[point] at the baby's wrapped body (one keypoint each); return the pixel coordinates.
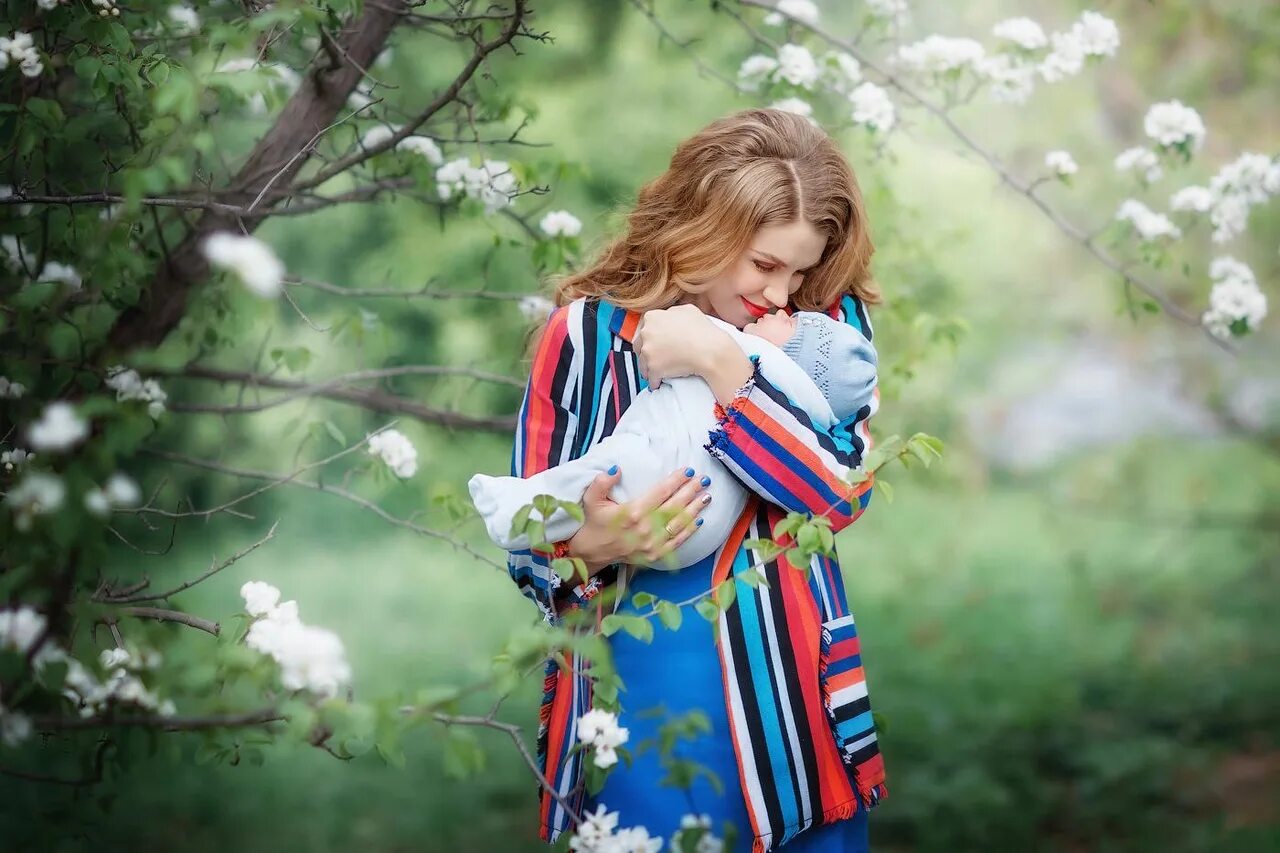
(668, 428)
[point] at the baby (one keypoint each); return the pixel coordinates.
(826, 367)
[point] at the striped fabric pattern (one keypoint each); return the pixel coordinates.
(794, 685)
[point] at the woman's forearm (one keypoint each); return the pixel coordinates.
(726, 371)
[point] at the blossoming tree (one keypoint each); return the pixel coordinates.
(132, 201)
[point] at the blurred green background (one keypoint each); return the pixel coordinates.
(1068, 623)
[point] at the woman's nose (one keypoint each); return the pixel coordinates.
(776, 293)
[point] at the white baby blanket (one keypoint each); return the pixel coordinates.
(660, 431)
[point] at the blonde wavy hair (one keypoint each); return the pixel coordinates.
(747, 170)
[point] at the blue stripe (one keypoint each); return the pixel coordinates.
(853, 726)
(753, 636)
(781, 455)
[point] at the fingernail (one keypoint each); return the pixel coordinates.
(613, 470)
(706, 481)
(688, 472)
(698, 523)
(706, 499)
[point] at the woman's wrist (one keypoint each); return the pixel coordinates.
(726, 371)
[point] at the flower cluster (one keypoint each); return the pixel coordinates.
(1139, 159)
(38, 493)
(599, 833)
(699, 827)
(128, 385)
(1149, 224)
(396, 450)
(107, 8)
(1061, 163)
(1236, 305)
(20, 48)
(120, 490)
(424, 146)
(310, 658)
(53, 271)
(802, 10)
(1248, 180)
(249, 259)
(1174, 125)
(896, 12)
(58, 428)
(11, 390)
(183, 19)
(492, 182)
(560, 223)
(22, 628)
(599, 729)
(11, 460)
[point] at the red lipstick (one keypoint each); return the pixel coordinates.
(755, 310)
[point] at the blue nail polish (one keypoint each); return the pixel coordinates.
(706, 481)
(613, 470)
(698, 523)
(688, 472)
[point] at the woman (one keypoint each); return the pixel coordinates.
(757, 212)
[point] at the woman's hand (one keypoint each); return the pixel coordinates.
(678, 341)
(613, 531)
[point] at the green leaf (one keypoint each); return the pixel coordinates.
(643, 599)
(670, 614)
(463, 756)
(726, 592)
(707, 610)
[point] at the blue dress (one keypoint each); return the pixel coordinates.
(680, 671)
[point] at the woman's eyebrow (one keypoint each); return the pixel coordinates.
(778, 261)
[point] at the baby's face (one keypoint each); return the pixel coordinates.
(776, 328)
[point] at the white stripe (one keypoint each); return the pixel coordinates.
(838, 623)
(845, 695)
(820, 580)
(747, 759)
(797, 758)
(859, 744)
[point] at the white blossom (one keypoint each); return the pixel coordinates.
(492, 183)
(11, 390)
(598, 833)
(1236, 304)
(1097, 34)
(424, 146)
(20, 48)
(120, 490)
(184, 19)
(1140, 159)
(58, 428)
(560, 223)
(11, 460)
(1012, 80)
(14, 251)
(1250, 175)
(128, 385)
(706, 843)
(1149, 224)
(1197, 199)
(599, 729)
(377, 135)
(259, 598)
(801, 10)
(1065, 59)
(396, 450)
(1023, 32)
(939, 54)
(796, 66)
(1229, 217)
(249, 259)
(310, 658)
(59, 272)
(107, 8)
(755, 70)
(20, 628)
(872, 107)
(1061, 162)
(38, 493)
(14, 727)
(839, 71)
(896, 12)
(1172, 123)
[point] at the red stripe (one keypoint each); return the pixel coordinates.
(540, 421)
(845, 648)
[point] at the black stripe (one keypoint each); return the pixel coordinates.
(804, 733)
(590, 384)
(852, 709)
(751, 712)
(777, 395)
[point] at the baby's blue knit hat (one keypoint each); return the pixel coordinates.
(839, 358)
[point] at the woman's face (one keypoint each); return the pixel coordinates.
(764, 276)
